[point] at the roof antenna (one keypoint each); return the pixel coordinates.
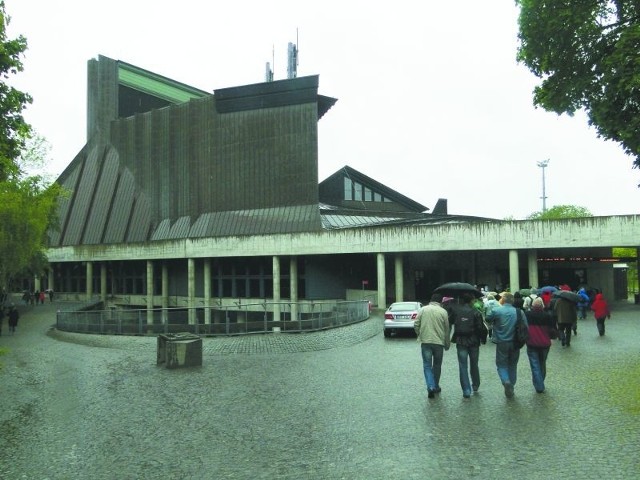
(268, 74)
(292, 59)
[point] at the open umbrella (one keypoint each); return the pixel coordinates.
(455, 289)
(548, 288)
(525, 291)
(567, 295)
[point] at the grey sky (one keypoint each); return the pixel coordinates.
(431, 101)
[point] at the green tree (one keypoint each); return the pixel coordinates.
(28, 203)
(14, 130)
(587, 53)
(561, 211)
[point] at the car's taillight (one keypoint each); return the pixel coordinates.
(388, 316)
(414, 316)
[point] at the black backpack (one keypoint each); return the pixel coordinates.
(465, 320)
(521, 333)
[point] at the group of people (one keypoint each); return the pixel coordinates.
(470, 321)
(13, 315)
(37, 297)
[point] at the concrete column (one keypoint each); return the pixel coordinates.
(89, 281)
(51, 278)
(293, 286)
(207, 291)
(532, 260)
(36, 283)
(514, 277)
(103, 283)
(382, 286)
(399, 278)
(164, 302)
(276, 288)
(191, 289)
(149, 292)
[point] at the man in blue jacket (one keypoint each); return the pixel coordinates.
(503, 319)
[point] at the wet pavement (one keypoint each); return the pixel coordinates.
(338, 404)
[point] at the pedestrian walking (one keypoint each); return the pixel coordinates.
(503, 321)
(41, 297)
(566, 315)
(601, 311)
(51, 295)
(583, 303)
(13, 319)
(432, 329)
(468, 333)
(541, 324)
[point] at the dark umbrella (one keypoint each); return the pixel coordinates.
(455, 289)
(568, 295)
(548, 289)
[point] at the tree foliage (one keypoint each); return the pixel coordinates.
(14, 130)
(561, 211)
(28, 201)
(587, 53)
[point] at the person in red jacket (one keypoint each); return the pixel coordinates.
(600, 311)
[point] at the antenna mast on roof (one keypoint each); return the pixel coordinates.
(268, 75)
(292, 59)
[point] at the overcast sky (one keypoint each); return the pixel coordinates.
(431, 101)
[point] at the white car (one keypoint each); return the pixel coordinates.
(400, 316)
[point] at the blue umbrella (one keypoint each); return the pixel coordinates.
(548, 288)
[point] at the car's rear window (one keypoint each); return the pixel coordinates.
(403, 306)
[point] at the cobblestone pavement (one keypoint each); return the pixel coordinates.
(339, 404)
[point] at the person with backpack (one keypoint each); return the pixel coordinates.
(541, 325)
(469, 332)
(503, 320)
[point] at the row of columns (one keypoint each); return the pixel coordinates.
(514, 282)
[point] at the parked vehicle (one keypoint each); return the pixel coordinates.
(400, 316)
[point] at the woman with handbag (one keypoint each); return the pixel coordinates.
(541, 330)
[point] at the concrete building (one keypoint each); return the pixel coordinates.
(187, 198)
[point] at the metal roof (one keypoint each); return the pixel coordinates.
(156, 85)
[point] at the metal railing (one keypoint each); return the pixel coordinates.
(216, 320)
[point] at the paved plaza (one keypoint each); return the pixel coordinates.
(338, 404)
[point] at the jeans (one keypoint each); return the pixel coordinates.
(600, 324)
(468, 355)
(538, 361)
(432, 364)
(582, 312)
(507, 356)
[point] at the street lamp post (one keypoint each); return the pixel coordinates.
(543, 164)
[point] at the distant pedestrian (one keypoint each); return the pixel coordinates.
(13, 319)
(528, 300)
(432, 328)
(566, 314)
(583, 304)
(51, 295)
(469, 332)
(601, 311)
(503, 321)
(41, 297)
(541, 322)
